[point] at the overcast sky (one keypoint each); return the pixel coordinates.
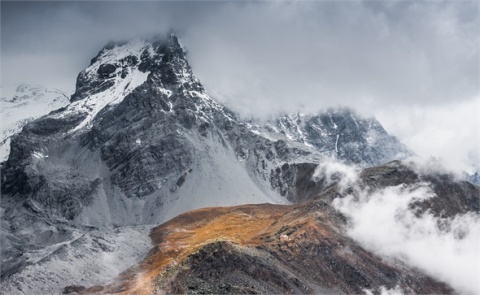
(412, 64)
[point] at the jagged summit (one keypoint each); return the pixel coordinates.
(163, 58)
(139, 123)
(119, 68)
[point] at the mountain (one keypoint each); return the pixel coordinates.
(141, 132)
(342, 134)
(22, 104)
(140, 142)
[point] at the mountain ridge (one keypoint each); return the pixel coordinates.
(135, 110)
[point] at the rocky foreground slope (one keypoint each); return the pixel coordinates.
(279, 249)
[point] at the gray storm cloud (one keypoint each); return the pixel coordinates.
(391, 59)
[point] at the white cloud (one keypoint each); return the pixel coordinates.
(322, 54)
(334, 171)
(447, 249)
(414, 65)
(449, 132)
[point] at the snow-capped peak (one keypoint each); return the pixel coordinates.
(109, 79)
(121, 67)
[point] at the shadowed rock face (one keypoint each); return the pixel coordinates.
(22, 104)
(452, 196)
(116, 127)
(295, 181)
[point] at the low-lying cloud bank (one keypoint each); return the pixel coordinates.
(446, 249)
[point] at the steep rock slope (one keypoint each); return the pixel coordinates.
(22, 104)
(453, 196)
(139, 143)
(138, 128)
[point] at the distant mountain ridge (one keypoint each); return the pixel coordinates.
(20, 104)
(343, 135)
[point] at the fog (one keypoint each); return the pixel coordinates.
(446, 249)
(383, 222)
(334, 171)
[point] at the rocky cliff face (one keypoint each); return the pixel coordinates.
(138, 123)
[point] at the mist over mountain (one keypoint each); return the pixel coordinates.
(141, 141)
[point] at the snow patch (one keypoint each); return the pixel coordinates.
(112, 96)
(134, 47)
(385, 291)
(167, 92)
(92, 258)
(39, 155)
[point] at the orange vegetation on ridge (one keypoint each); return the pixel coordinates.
(185, 234)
